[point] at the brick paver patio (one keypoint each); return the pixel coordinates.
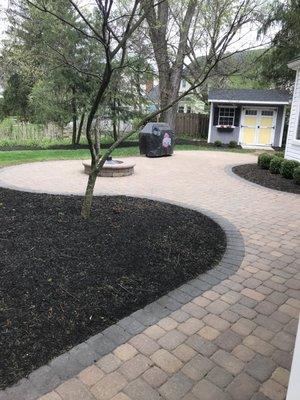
(235, 340)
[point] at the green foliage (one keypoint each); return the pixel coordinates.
(287, 168)
(218, 143)
(42, 61)
(279, 154)
(233, 144)
(15, 97)
(275, 165)
(285, 43)
(6, 126)
(264, 160)
(296, 175)
(248, 68)
(50, 103)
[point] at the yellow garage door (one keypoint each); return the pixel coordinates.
(266, 127)
(249, 127)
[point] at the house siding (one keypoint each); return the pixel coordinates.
(292, 150)
(278, 128)
(226, 137)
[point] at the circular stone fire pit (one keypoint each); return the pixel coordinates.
(113, 168)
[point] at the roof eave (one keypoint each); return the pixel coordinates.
(294, 64)
(248, 102)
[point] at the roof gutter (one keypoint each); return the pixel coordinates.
(248, 102)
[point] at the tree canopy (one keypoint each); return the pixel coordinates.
(285, 18)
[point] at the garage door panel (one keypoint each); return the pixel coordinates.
(250, 120)
(249, 135)
(265, 136)
(266, 122)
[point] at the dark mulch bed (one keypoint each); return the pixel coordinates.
(263, 177)
(64, 279)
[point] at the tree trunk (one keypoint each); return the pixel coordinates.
(175, 79)
(170, 73)
(74, 116)
(88, 197)
(114, 120)
(80, 128)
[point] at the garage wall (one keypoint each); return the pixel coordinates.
(226, 137)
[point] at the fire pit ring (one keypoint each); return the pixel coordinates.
(112, 168)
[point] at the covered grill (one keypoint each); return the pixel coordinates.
(156, 139)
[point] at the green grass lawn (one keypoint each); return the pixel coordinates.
(22, 156)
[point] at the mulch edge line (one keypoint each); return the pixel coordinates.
(230, 172)
(69, 364)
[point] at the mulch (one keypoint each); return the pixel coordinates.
(263, 177)
(64, 279)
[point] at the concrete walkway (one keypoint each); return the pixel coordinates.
(235, 340)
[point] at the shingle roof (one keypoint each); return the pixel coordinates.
(295, 63)
(249, 95)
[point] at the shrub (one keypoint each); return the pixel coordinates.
(218, 143)
(279, 154)
(287, 168)
(264, 160)
(275, 165)
(232, 144)
(296, 175)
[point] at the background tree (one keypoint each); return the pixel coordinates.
(43, 52)
(188, 37)
(169, 54)
(285, 18)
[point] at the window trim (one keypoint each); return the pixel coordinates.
(297, 126)
(233, 117)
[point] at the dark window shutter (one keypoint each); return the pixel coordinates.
(216, 115)
(237, 116)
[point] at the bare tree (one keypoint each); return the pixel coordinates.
(112, 32)
(169, 66)
(192, 35)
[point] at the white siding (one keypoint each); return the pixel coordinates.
(292, 150)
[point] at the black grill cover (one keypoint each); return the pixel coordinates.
(156, 139)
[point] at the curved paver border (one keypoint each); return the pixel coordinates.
(229, 171)
(69, 364)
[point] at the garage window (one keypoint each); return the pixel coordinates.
(250, 112)
(267, 113)
(226, 116)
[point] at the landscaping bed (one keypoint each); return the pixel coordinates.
(64, 279)
(263, 177)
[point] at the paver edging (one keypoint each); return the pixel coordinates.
(69, 364)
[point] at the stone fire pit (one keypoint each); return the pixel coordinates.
(113, 168)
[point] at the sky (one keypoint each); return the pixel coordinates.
(3, 24)
(248, 36)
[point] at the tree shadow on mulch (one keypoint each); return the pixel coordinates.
(64, 279)
(263, 177)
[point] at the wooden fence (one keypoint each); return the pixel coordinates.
(195, 125)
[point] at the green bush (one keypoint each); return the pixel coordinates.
(275, 165)
(264, 160)
(296, 175)
(232, 144)
(218, 143)
(287, 168)
(279, 154)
